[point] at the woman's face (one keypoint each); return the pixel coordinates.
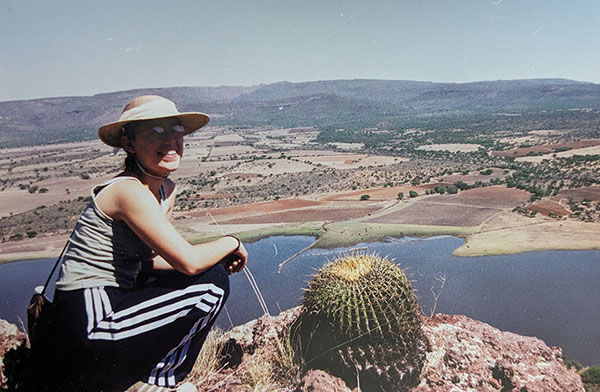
(158, 145)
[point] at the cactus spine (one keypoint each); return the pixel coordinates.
(361, 315)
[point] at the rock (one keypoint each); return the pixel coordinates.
(471, 355)
(466, 355)
(12, 340)
(261, 333)
(320, 381)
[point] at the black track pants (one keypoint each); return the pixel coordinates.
(108, 338)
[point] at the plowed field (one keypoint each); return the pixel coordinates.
(434, 214)
(547, 207)
(305, 215)
(467, 208)
(592, 193)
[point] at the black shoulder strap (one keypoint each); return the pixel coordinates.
(56, 265)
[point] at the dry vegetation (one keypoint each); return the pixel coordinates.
(269, 180)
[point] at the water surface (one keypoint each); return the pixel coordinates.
(553, 295)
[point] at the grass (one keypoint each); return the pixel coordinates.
(259, 375)
(286, 361)
(353, 232)
(350, 232)
(312, 229)
(208, 363)
(271, 368)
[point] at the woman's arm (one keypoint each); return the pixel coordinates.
(133, 203)
(232, 263)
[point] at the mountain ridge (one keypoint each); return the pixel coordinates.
(289, 104)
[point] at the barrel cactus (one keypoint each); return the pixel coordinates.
(361, 321)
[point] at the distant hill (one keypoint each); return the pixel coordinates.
(319, 103)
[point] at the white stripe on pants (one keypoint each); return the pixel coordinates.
(106, 324)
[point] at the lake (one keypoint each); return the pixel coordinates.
(553, 295)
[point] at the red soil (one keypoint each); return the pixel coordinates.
(425, 213)
(490, 196)
(382, 193)
(546, 149)
(304, 215)
(466, 208)
(268, 206)
(547, 207)
(591, 192)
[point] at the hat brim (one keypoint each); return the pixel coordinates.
(111, 134)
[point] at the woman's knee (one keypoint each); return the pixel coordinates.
(217, 276)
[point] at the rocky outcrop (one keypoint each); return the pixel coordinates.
(12, 341)
(466, 355)
(321, 381)
(471, 355)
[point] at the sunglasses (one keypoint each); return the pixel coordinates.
(156, 132)
(176, 129)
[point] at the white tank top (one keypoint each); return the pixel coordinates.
(103, 251)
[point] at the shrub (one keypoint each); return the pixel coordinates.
(440, 189)
(571, 363)
(591, 375)
(361, 319)
(452, 189)
(365, 197)
(462, 185)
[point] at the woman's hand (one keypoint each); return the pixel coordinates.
(236, 260)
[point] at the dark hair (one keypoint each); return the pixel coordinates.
(130, 163)
(130, 160)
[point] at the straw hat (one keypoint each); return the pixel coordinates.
(150, 107)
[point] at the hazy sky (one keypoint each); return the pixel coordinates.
(77, 47)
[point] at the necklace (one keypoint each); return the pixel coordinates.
(147, 173)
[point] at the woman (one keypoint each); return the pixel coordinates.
(114, 327)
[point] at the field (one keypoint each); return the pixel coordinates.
(579, 194)
(452, 147)
(468, 208)
(581, 146)
(334, 213)
(263, 181)
(548, 208)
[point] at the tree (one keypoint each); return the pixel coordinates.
(440, 189)
(461, 185)
(400, 195)
(591, 375)
(413, 194)
(365, 197)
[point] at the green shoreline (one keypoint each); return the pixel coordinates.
(347, 233)
(339, 234)
(342, 234)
